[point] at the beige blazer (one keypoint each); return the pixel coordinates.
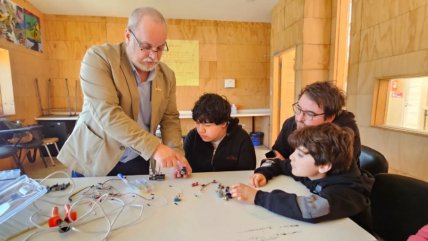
(108, 121)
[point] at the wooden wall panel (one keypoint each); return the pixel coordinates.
(227, 50)
(388, 39)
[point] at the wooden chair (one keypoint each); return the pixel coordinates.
(50, 141)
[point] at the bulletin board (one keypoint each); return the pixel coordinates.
(183, 58)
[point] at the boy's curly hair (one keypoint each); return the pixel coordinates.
(211, 108)
(327, 143)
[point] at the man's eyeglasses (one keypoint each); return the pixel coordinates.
(309, 114)
(145, 47)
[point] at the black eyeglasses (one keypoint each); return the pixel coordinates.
(310, 114)
(146, 47)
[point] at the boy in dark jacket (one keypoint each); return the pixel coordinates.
(217, 143)
(323, 162)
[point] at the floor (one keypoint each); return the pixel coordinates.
(38, 170)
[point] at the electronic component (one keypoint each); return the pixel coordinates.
(270, 154)
(63, 224)
(157, 177)
(58, 187)
(224, 192)
(183, 171)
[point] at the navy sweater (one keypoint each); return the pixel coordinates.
(334, 196)
(235, 151)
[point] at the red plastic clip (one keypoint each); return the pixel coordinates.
(56, 221)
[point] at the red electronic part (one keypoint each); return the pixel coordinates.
(54, 220)
(72, 215)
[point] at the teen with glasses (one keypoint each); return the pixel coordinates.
(318, 103)
(127, 92)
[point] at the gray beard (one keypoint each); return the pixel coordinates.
(143, 68)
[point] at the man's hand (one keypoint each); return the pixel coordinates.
(258, 180)
(167, 158)
(243, 193)
(183, 163)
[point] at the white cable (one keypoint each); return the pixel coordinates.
(94, 204)
(71, 189)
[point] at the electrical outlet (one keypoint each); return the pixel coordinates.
(229, 83)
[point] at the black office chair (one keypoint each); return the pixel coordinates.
(373, 161)
(16, 148)
(7, 150)
(399, 206)
(34, 145)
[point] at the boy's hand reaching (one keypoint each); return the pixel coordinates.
(243, 193)
(258, 180)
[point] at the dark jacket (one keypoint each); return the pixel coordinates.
(235, 151)
(344, 119)
(334, 196)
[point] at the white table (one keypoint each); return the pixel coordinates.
(201, 215)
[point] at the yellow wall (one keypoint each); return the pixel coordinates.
(227, 50)
(389, 38)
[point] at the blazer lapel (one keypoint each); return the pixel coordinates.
(126, 68)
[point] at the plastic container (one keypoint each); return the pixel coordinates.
(257, 138)
(234, 109)
(17, 194)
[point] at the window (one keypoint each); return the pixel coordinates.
(402, 103)
(7, 103)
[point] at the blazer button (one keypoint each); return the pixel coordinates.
(122, 148)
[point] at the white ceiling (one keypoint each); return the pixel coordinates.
(226, 10)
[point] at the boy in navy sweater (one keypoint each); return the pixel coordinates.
(322, 161)
(218, 143)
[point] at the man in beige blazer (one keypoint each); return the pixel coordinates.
(127, 94)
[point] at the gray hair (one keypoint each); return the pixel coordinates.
(139, 13)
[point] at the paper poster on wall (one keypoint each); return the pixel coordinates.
(20, 26)
(183, 59)
(8, 19)
(32, 32)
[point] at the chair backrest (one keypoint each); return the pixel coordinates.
(37, 137)
(372, 161)
(399, 206)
